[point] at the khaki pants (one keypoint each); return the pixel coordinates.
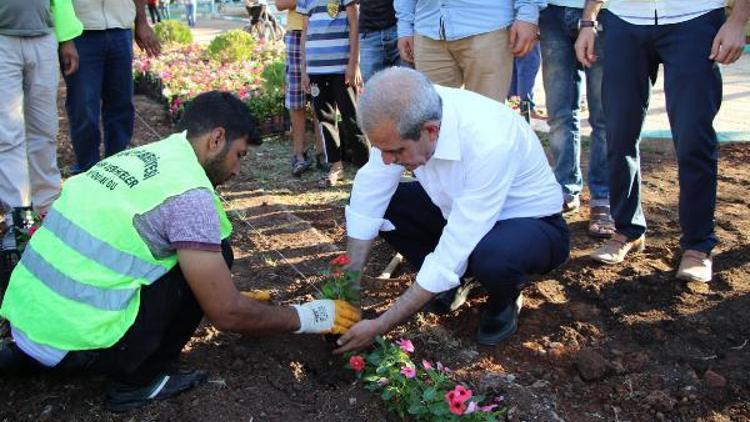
(29, 71)
(481, 63)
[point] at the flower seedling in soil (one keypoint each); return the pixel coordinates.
(424, 392)
(340, 283)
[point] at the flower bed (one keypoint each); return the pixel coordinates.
(182, 72)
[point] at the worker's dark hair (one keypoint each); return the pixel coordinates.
(213, 109)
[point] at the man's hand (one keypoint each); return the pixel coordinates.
(305, 82)
(353, 77)
(146, 39)
(326, 316)
(585, 46)
(522, 37)
(406, 49)
(729, 43)
(68, 57)
(359, 336)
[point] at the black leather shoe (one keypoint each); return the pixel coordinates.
(496, 326)
(13, 361)
(450, 300)
(123, 397)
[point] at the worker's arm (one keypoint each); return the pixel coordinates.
(286, 4)
(144, 35)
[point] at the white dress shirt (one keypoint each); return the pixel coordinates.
(661, 12)
(488, 166)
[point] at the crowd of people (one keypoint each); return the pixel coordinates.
(134, 251)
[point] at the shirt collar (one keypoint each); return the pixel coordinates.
(448, 147)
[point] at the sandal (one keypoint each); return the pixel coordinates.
(601, 224)
(333, 177)
(299, 166)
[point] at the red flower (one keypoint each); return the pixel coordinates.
(32, 230)
(341, 261)
(457, 407)
(462, 393)
(357, 363)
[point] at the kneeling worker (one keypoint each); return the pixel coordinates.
(485, 202)
(133, 254)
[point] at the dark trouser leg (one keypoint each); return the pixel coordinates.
(347, 105)
(118, 112)
(514, 249)
(167, 318)
(625, 96)
(419, 223)
(692, 84)
(324, 105)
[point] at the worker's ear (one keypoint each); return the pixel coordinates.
(217, 140)
(433, 129)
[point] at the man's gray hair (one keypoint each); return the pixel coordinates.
(402, 96)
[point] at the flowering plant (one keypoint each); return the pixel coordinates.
(426, 392)
(341, 283)
(26, 223)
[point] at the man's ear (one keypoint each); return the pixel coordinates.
(217, 140)
(433, 129)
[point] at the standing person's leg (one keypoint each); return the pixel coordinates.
(693, 88)
(346, 102)
(486, 63)
(371, 54)
(433, 58)
(83, 97)
(562, 78)
(390, 47)
(324, 105)
(40, 109)
(294, 100)
(503, 261)
(152, 13)
(626, 86)
(528, 67)
(118, 112)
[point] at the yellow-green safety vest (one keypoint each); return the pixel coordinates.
(77, 286)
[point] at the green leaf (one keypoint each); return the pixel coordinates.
(439, 408)
(429, 394)
(416, 409)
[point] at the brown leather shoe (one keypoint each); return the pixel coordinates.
(615, 249)
(695, 266)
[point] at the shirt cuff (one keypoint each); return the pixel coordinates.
(528, 13)
(404, 29)
(363, 227)
(436, 278)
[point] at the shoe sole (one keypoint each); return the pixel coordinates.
(685, 277)
(638, 249)
(496, 341)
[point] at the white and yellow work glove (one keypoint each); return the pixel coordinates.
(326, 316)
(259, 295)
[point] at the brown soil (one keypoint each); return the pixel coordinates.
(627, 342)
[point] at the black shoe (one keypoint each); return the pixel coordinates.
(496, 326)
(122, 397)
(13, 361)
(450, 300)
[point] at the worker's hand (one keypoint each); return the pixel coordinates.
(359, 336)
(259, 295)
(585, 46)
(729, 43)
(68, 57)
(522, 37)
(406, 49)
(146, 39)
(326, 316)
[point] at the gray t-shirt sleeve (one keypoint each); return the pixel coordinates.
(185, 221)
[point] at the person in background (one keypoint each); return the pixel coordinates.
(164, 9)
(330, 48)
(564, 78)
(690, 39)
(191, 10)
(153, 10)
(295, 97)
(36, 38)
(378, 37)
(525, 69)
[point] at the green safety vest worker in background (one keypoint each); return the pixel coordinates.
(78, 287)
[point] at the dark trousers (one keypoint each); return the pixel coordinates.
(167, 319)
(153, 10)
(103, 85)
(332, 95)
(692, 84)
(502, 261)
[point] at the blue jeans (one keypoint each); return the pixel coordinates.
(524, 75)
(378, 50)
(190, 13)
(103, 84)
(563, 76)
(693, 90)
(502, 260)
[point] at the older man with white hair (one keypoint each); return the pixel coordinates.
(485, 202)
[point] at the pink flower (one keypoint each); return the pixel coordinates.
(471, 408)
(32, 230)
(440, 366)
(459, 393)
(405, 344)
(426, 364)
(488, 408)
(357, 363)
(457, 407)
(408, 372)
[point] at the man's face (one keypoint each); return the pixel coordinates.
(225, 162)
(406, 152)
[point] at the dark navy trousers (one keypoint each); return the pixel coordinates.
(693, 88)
(502, 261)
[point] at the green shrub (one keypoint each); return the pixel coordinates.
(232, 46)
(266, 105)
(273, 77)
(173, 32)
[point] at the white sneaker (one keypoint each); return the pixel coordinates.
(695, 266)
